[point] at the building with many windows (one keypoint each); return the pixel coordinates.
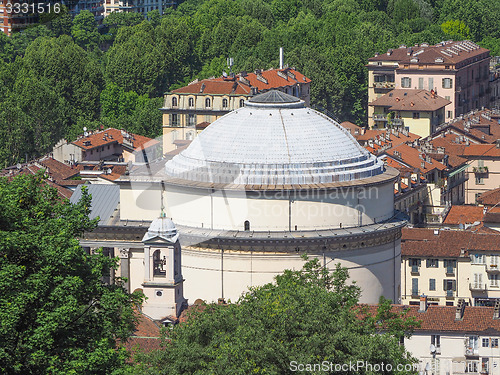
(456, 71)
(207, 100)
(418, 111)
(448, 265)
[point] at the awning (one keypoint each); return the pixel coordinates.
(462, 168)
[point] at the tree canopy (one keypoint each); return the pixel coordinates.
(57, 315)
(329, 41)
(308, 316)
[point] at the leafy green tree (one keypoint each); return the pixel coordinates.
(456, 29)
(84, 30)
(307, 316)
(57, 315)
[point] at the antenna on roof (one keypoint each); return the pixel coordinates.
(281, 58)
(230, 63)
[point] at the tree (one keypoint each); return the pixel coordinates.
(84, 30)
(456, 29)
(57, 315)
(307, 316)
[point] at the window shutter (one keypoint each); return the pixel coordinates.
(454, 285)
(428, 263)
(444, 284)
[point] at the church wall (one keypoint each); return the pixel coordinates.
(375, 269)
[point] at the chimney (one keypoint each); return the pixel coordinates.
(459, 311)
(423, 303)
(281, 57)
(221, 301)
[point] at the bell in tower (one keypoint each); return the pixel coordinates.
(163, 282)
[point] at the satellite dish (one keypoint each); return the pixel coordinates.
(224, 74)
(433, 348)
(85, 134)
(84, 128)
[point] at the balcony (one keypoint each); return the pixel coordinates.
(480, 170)
(471, 352)
(414, 269)
(478, 287)
(449, 294)
(492, 268)
(450, 270)
(384, 85)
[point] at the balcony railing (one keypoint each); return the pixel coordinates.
(414, 269)
(449, 293)
(450, 270)
(384, 85)
(492, 268)
(480, 169)
(471, 351)
(478, 287)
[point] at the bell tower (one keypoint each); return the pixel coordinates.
(163, 282)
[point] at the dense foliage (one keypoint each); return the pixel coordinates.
(57, 316)
(58, 77)
(308, 316)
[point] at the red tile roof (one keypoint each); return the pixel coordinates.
(462, 50)
(418, 242)
(478, 126)
(462, 214)
(56, 169)
(110, 136)
(242, 84)
(442, 318)
(490, 198)
(385, 136)
(213, 87)
(146, 336)
(410, 100)
(412, 157)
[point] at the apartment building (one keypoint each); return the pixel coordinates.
(448, 265)
(11, 21)
(207, 100)
(456, 71)
(418, 111)
(139, 6)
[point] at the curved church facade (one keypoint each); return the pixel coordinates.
(258, 188)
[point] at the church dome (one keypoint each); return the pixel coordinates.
(274, 140)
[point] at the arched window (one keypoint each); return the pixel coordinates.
(247, 225)
(224, 103)
(158, 264)
(242, 103)
(191, 102)
(174, 102)
(207, 103)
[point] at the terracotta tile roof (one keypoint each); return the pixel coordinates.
(462, 214)
(242, 83)
(214, 87)
(481, 150)
(462, 50)
(110, 136)
(418, 242)
(412, 157)
(58, 170)
(410, 100)
(395, 138)
(478, 126)
(490, 198)
(202, 125)
(475, 320)
(146, 336)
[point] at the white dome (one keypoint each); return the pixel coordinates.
(275, 140)
(162, 227)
